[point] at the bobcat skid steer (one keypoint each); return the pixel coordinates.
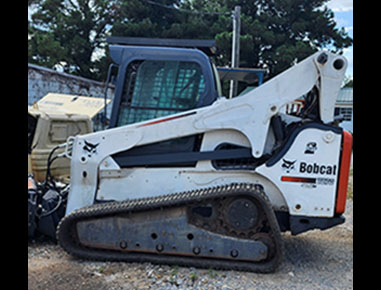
(185, 176)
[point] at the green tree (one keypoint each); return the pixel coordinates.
(348, 82)
(139, 18)
(274, 34)
(69, 33)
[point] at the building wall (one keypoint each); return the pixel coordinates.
(344, 106)
(347, 123)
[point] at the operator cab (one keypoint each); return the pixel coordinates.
(160, 77)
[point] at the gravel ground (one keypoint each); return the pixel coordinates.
(313, 260)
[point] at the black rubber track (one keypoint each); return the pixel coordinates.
(67, 237)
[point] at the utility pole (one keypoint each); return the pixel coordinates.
(235, 47)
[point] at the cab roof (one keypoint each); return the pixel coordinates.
(208, 46)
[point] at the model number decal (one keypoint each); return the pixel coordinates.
(325, 181)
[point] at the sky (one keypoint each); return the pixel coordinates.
(343, 10)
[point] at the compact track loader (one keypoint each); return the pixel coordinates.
(185, 176)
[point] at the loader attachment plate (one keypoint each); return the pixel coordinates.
(225, 227)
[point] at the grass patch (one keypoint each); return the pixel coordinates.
(193, 276)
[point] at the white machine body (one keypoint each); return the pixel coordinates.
(301, 178)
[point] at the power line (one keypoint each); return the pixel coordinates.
(186, 10)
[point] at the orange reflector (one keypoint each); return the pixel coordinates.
(344, 172)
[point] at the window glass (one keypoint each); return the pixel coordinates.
(155, 89)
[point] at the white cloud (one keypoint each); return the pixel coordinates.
(340, 5)
(348, 28)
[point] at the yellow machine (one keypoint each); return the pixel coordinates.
(50, 122)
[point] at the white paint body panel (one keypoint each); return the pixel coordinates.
(309, 199)
(147, 182)
(248, 116)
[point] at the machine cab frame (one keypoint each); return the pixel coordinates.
(155, 81)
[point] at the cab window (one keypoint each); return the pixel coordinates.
(155, 89)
